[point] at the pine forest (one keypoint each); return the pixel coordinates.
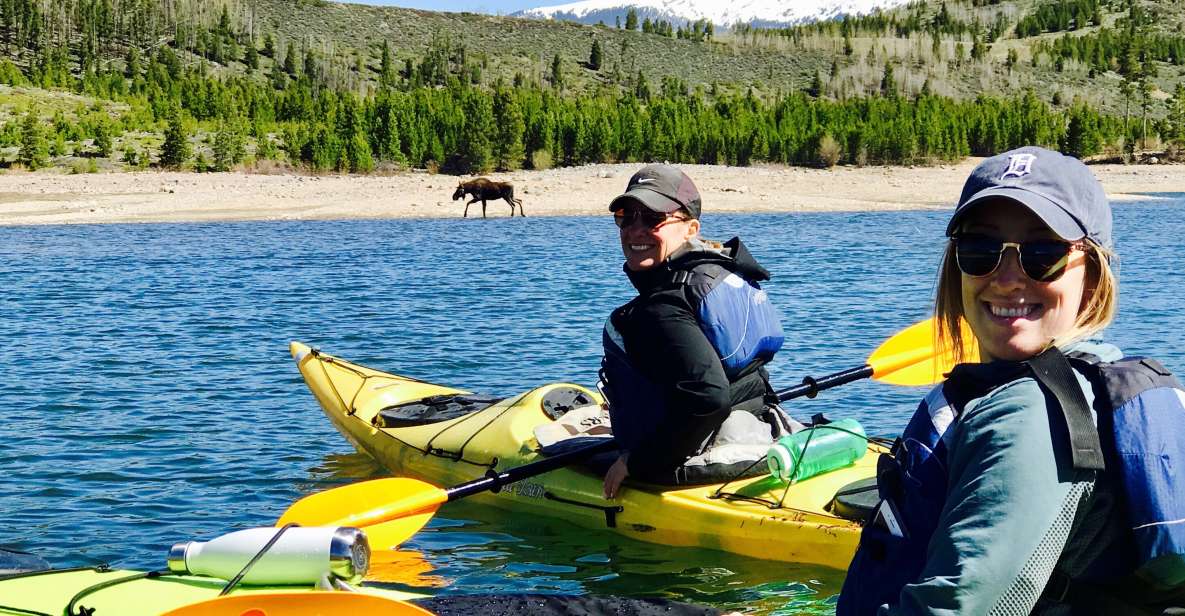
(317, 86)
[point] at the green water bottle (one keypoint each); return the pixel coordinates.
(816, 450)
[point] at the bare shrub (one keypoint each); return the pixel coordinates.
(829, 151)
(541, 160)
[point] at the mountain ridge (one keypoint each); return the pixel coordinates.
(762, 13)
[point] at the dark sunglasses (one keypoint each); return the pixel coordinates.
(1041, 260)
(650, 219)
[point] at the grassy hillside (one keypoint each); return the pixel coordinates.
(355, 87)
(768, 60)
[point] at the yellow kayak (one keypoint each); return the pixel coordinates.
(758, 517)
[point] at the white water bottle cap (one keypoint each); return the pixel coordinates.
(780, 461)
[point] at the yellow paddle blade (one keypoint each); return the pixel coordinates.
(368, 503)
(311, 603)
(389, 535)
(910, 358)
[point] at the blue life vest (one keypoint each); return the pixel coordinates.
(1146, 452)
(1140, 436)
(738, 320)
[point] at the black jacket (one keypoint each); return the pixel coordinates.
(663, 339)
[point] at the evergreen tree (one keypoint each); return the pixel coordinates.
(594, 56)
(1082, 136)
(815, 90)
(57, 147)
(386, 66)
(290, 61)
(34, 151)
(359, 154)
(386, 127)
(631, 19)
(229, 147)
(888, 83)
(131, 63)
(508, 139)
(978, 49)
(102, 138)
(641, 87)
(310, 66)
(252, 57)
(175, 150)
(474, 146)
(557, 73)
(1176, 118)
(269, 46)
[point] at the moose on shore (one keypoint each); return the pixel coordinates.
(482, 189)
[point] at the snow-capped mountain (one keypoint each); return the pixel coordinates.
(721, 13)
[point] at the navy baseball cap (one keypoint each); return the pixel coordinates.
(1059, 189)
(662, 188)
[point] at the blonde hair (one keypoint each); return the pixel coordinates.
(1100, 295)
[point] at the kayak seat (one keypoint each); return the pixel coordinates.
(856, 501)
(560, 400)
(432, 409)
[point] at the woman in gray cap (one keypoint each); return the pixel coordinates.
(995, 498)
(690, 348)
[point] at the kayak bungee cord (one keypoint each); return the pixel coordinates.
(457, 456)
(82, 610)
(89, 590)
(793, 475)
(254, 559)
(101, 568)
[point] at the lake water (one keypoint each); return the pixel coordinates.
(148, 396)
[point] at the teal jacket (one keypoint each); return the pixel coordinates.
(1013, 500)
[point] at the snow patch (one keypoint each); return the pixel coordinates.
(719, 12)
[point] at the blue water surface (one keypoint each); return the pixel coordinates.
(148, 396)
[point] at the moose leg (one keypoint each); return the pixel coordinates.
(520, 208)
(483, 208)
(471, 202)
(510, 200)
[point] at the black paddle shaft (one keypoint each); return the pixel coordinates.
(811, 386)
(495, 481)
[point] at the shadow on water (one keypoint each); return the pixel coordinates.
(468, 548)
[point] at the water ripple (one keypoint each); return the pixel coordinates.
(150, 398)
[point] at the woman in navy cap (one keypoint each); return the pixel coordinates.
(994, 498)
(690, 348)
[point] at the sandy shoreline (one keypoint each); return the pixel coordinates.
(54, 198)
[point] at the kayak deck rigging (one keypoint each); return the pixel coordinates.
(760, 517)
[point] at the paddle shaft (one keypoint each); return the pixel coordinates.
(811, 386)
(494, 481)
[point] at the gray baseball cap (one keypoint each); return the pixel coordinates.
(1059, 189)
(662, 188)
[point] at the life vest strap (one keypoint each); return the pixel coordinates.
(1052, 370)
